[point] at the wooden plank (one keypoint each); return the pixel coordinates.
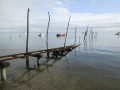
(23, 55)
(34, 51)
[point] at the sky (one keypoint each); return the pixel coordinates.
(98, 14)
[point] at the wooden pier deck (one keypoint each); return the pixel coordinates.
(54, 51)
(35, 53)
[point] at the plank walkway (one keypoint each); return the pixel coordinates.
(54, 51)
(34, 53)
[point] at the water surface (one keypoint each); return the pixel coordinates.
(94, 65)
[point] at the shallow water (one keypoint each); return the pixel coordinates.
(92, 66)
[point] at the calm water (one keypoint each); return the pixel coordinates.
(95, 65)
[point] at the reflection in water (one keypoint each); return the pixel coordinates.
(89, 41)
(93, 72)
(85, 44)
(67, 64)
(41, 37)
(32, 72)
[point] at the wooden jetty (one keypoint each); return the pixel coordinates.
(54, 51)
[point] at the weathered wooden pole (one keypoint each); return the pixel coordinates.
(75, 35)
(85, 34)
(47, 34)
(3, 73)
(3, 66)
(67, 31)
(27, 30)
(27, 59)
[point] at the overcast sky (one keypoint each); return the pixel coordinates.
(95, 13)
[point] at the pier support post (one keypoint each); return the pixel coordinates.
(38, 58)
(3, 73)
(27, 62)
(3, 66)
(57, 52)
(48, 54)
(62, 52)
(38, 61)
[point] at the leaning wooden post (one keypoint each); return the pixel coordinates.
(75, 35)
(47, 34)
(85, 34)
(27, 60)
(67, 31)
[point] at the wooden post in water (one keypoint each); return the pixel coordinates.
(75, 35)
(3, 73)
(38, 61)
(67, 31)
(85, 34)
(47, 34)
(27, 58)
(3, 66)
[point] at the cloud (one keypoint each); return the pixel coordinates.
(58, 3)
(13, 12)
(13, 16)
(95, 19)
(60, 10)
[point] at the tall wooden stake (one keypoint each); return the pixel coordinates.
(85, 34)
(67, 31)
(27, 60)
(27, 30)
(75, 35)
(47, 33)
